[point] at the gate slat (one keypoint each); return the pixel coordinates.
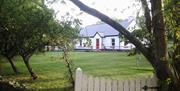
(78, 80)
(102, 84)
(126, 85)
(143, 83)
(90, 83)
(154, 82)
(84, 83)
(120, 85)
(138, 85)
(132, 85)
(108, 85)
(149, 83)
(96, 84)
(114, 85)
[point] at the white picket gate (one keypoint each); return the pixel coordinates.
(89, 83)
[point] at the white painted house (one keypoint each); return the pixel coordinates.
(103, 37)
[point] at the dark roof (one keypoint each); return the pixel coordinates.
(103, 29)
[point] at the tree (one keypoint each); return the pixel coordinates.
(22, 29)
(27, 26)
(156, 53)
(8, 30)
(172, 26)
(8, 49)
(69, 30)
(34, 27)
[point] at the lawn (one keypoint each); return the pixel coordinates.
(52, 71)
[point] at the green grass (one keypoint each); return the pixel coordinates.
(51, 69)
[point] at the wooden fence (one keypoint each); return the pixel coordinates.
(89, 83)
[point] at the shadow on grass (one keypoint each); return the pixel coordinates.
(28, 79)
(143, 69)
(7, 87)
(58, 89)
(39, 79)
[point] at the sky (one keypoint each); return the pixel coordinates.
(117, 9)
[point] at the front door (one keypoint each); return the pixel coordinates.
(97, 43)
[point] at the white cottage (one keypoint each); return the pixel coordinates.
(103, 37)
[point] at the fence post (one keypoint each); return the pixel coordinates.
(78, 79)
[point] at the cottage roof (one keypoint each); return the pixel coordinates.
(103, 29)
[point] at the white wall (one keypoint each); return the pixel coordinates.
(108, 42)
(104, 42)
(93, 44)
(128, 46)
(78, 46)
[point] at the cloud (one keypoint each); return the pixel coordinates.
(120, 9)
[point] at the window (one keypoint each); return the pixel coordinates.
(80, 42)
(113, 42)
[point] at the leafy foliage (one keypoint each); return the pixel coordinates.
(26, 26)
(171, 18)
(142, 33)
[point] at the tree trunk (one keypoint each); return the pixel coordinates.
(163, 70)
(69, 66)
(26, 61)
(159, 46)
(13, 65)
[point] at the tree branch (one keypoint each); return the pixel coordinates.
(116, 26)
(148, 19)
